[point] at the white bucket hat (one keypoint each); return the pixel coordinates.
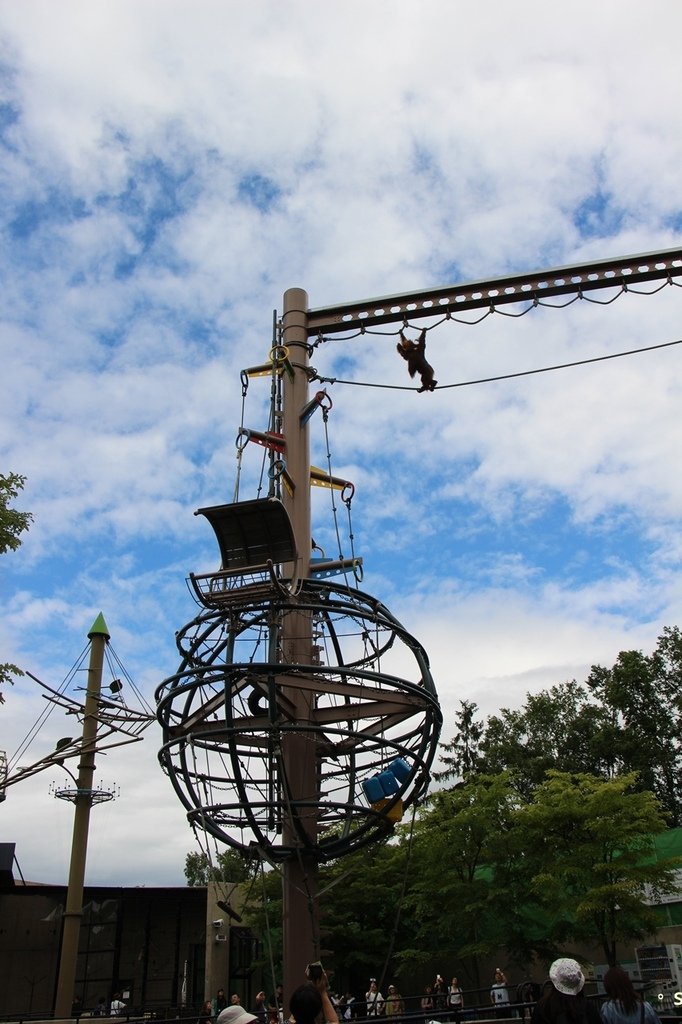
(566, 976)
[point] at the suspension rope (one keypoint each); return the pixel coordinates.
(504, 376)
(325, 419)
(399, 905)
(346, 497)
(271, 958)
(305, 891)
(240, 446)
(47, 711)
(351, 536)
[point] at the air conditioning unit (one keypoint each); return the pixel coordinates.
(221, 938)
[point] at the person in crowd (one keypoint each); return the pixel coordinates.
(117, 1008)
(219, 1002)
(206, 1015)
(394, 1005)
(564, 1000)
(624, 1005)
(77, 1007)
(374, 999)
(236, 1014)
(427, 1003)
(310, 1000)
(261, 1007)
(235, 1000)
(527, 993)
(440, 993)
(455, 999)
(349, 1010)
(499, 993)
(101, 1008)
(276, 1004)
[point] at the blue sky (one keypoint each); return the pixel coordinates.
(168, 171)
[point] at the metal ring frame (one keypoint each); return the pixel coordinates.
(226, 721)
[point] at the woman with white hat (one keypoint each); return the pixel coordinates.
(565, 1002)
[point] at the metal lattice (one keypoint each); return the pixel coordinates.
(227, 715)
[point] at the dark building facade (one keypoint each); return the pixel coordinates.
(148, 943)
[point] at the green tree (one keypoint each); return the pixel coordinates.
(556, 728)
(462, 755)
(622, 719)
(589, 858)
(459, 897)
(364, 916)
(643, 696)
(228, 866)
(12, 524)
(360, 910)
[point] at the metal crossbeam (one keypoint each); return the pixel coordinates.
(621, 272)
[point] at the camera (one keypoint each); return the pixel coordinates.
(314, 971)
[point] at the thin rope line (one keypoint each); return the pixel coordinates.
(505, 376)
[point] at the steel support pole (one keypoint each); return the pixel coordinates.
(73, 913)
(298, 763)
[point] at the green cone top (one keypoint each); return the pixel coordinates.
(99, 628)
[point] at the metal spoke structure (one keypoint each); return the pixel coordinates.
(296, 697)
(231, 709)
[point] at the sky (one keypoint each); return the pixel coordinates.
(169, 169)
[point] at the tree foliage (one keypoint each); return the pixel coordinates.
(589, 858)
(461, 876)
(523, 855)
(623, 719)
(575, 863)
(12, 524)
(364, 918)
(228, 866)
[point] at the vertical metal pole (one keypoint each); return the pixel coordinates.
(299, 769)
(98, 636)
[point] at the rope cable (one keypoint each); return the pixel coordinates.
(399, 905)
(325, 419)
(46, 712)
(240, 448)
(267, 932)
(506, 376)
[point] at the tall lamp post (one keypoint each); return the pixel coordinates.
(83, 797)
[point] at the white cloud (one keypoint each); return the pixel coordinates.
(168, 173)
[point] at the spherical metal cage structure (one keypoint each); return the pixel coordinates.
(233, 733)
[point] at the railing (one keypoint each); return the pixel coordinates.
(481, 1013)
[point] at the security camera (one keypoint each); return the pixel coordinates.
(218, 923)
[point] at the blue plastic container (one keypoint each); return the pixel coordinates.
(400, 769)
(389, 783)
(374, 791)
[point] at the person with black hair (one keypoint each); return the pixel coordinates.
(219, 1002)
(624, 1005)
(311, 999)
(455, 999)
(427, 1003)
(275, 1002)
(564, 1001)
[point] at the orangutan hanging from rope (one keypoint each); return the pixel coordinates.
(413, 353)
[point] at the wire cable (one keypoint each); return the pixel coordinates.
(505, 376)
